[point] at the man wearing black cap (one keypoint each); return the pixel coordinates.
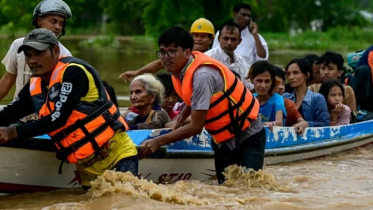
(73, 108)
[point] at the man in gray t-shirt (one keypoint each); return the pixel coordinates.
(248, 150)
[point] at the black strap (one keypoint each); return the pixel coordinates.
(62, 134)
(226, 94)
(241, 119)
(230, 109)
(60, 167)
(90, 138)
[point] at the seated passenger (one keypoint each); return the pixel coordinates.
(170, 96)
(333, 92)
(332, 68)
(146, 93)
(312, 106)
(293, 118)
(272, 107)
(362, 82)
(110, 90)
(315, 75)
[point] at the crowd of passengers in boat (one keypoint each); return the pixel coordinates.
(308, 92)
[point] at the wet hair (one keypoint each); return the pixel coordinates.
(230, 25)
(328, 85)
(280, 73)
(165, 79)
(260, 67)
(239, 6)
(332, 57)
(176, 36)
(110, 90)
(304, 66)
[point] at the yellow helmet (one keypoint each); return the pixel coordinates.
(202, 25)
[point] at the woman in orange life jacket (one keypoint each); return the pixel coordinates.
(216, 100)
(203, 33)
(73, 108)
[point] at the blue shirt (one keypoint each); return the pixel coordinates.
(314, 109)
(363, 61)
(268, 109)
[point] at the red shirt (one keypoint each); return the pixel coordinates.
(292, 112)
(173, 114)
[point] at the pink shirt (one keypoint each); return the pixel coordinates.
(344, 116)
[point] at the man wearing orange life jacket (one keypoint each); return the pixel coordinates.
(216, 100)
(74, 109)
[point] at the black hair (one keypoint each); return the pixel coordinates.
(327, 85)
(312, 58)
(260, 67)
(279, 72)
(230, 25)
(304, 66)
(177, 36)
(239, 6)
(110, 90)
(165, 79)
(332, 57)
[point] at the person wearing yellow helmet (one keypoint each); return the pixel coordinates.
(203, 33)
(48, 14)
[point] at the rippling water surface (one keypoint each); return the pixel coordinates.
(339, 181)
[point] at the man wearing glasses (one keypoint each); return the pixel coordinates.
(252, 47)
(216, 100)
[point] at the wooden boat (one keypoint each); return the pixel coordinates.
(26, 169)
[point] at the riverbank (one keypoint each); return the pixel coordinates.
(335, 39)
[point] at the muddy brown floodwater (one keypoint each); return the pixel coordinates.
(340, 181)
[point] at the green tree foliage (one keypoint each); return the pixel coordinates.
(125, 16)
(137, 17)
(161, 14)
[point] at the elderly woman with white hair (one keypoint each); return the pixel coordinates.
(146, 95)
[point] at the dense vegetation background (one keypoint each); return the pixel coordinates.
(150, 17)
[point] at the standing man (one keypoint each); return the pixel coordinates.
(203, 33)
(252, 47)
(74, 109)
(48, 14)
(216, 100)
(229, 39)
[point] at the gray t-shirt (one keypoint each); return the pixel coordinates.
(206, 82)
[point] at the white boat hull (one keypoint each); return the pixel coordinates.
(24, 170)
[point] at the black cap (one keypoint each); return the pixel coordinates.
(39, 39)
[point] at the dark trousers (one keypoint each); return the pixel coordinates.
(249, 154)
(363, 87)
(130, 164)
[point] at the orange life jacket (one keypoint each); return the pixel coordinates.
(90, 125)
(229, 109)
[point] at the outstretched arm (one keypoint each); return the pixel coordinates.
(6, 83)
(151, 67)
